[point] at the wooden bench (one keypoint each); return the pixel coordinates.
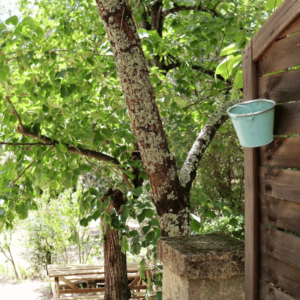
(65, 277)
(139, 295)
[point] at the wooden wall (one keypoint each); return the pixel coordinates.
(272, 172)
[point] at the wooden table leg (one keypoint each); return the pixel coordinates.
(57, 287)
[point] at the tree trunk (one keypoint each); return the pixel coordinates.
(167, 193)
(13, 263)
(48, 258)
(115, 264)
(116, 282)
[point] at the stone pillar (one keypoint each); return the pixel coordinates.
(202, 267)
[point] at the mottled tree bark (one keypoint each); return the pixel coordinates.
(167, 193)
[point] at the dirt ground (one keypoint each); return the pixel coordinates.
(25, 290)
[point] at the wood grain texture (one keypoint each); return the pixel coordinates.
(292, 29)
(287, 120)
(280, 245)
(282, 54)
(278, 183)
(279, 213)
(283, 17)
(69, 283)
(282, 152)
(279, 273)
(281, 87)
(251, 186)
(269, 292)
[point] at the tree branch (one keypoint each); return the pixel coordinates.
(77, 150)
(211, 73)
(189, 170)
(15, 112)
(178, 8)
(29, 166)
(23, 172)
(3, 252)
(202, 99)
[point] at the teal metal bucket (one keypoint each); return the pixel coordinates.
(253, 122)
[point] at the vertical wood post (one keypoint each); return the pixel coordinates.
(251, 185)
(56, 280)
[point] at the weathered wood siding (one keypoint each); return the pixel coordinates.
(271, 67)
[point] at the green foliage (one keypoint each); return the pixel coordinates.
(54, 231)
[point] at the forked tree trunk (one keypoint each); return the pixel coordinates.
(168, 195)
(116, 282)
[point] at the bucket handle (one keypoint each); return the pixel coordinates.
(252, 117)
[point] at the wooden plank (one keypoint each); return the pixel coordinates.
(92, 277)
(295, 27)
(282, 18)
(280, 245)
(134, 282)
(279, 213)
(251, 186)
(287, 119)
(282, 152)
(74, 272)
(56, 284)
(53, 288)
(269, 292)
(280, 184)
(281, 87)
(138, 295)
(69, 283)
(282, 54)
(279, 273)
(71, 270)
(82, 291)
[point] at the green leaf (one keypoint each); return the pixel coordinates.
(133, 233)
(141, 217)
(125, 214)
(116, 224)
(2, 211)
(238, 81)
(154, 222)
(93, 191)
(4, 71)
(61, 74)
(210, 214)
(138, 191)
(96, 215)
(233, 222)
(135, 248)
(103, 91)
(226, 211)
(272, 4)
(150, 236)
(83, 222)
(63, 148)
(195, 226)
(167, 100)
(227, 65)
(229, 50)
(12, 20)
(148, 213)
(2, 26)
(145, 229)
